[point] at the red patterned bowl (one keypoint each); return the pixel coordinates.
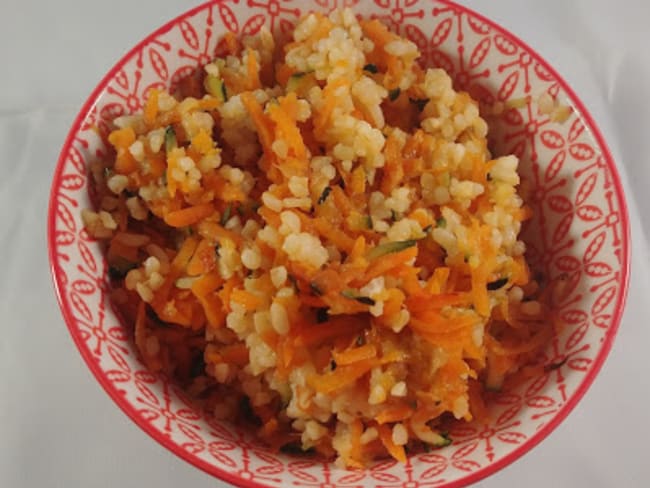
(580, 229)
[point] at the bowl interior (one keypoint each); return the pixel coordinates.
(579, 231)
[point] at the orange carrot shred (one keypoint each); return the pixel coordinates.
(189, 216)
(356, 354)
(386, 437)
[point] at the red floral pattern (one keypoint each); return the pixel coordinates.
(580, 229)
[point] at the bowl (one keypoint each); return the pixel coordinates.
(580, 230)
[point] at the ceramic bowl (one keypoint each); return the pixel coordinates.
(580, 229)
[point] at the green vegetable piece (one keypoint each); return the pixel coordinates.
(324, 195)
(361, 299)
(420, 103)
(444, 440)
(170, 139)
(226, 215)
(495, 285)
(394, 94)
(216, 87)
(153, 317)
(296, 449)
(365, 300)
(368, 222)
(119, 267)
(294, 282)
(197, 366)
(554, 366)
(348, 294)
(441, 222)
(295, 80)
(390, 247)
(316, 290)
(322, 315)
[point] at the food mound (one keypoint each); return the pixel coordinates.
(310, 236)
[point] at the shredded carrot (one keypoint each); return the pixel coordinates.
(358, 252)
(322, 118)
(337, 326)
(232, 43)
(269, 428)
(226, 293)
(213, 309)
(394, 413)
(264, 130)
(358, 183)
(218, 233)
(337, 237)
(189, 216)
(253, 71)
(342, 201)
(125, 163)
(438, 280)
(356, 354)
(235, 354)
(202, 142)
(151, 107)
(122, 138)
(283, 115)
(385, 264)
(184, 254)
(386, 437)
(393, 169)
(521, 272)
(157, 166)
(341, 377)
(282, 73)
(118, 249)
(206, 284)
(248, 300)
(479, 290)
(356, 429)
(204, 259)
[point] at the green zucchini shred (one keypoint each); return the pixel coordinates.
(394, 94)
(390, 247)
(351, 294)
(216, 87)
(170, 139)
(226, 215)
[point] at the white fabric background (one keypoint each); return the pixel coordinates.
(59, 429)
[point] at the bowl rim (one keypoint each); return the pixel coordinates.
(229, 477)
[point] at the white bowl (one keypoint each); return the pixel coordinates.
(580, 229)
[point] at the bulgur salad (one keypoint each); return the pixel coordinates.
(311, 236)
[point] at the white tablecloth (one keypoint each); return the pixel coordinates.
(59, 429)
